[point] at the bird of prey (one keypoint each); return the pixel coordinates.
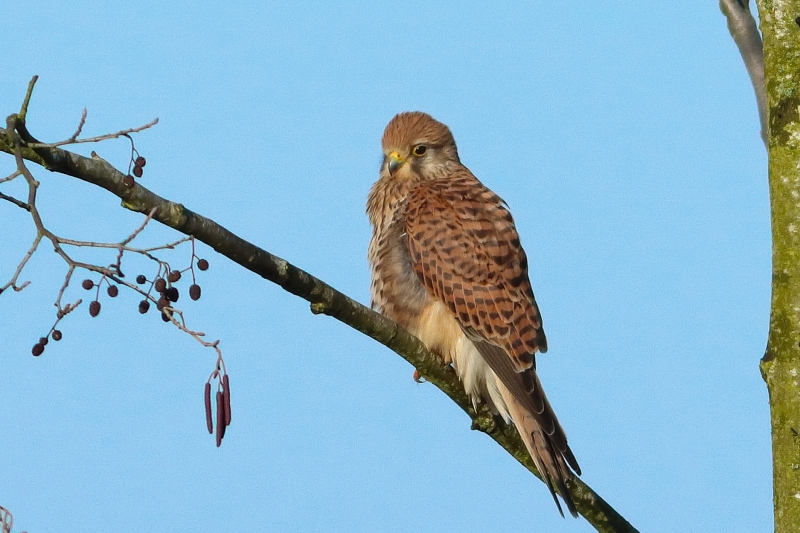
(448, 266)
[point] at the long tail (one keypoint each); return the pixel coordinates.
(549, 460)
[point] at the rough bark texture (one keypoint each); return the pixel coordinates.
(781, 363)
(323, 298)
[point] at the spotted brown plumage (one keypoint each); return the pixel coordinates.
(447, 264)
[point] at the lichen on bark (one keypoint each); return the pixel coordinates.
(780, 365)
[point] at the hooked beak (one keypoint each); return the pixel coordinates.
(395, 162)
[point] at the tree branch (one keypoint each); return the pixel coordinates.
(743, 29)
(322, 297)
(781, 362)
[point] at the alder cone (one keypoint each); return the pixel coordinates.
(194, 292)
(172, 294)
(161, 284)
(94, 308)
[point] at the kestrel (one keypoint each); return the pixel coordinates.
(448, 266)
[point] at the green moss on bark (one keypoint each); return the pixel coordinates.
(781, 363)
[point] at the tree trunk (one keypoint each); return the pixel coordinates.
(780, 366)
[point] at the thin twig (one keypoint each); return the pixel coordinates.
(23, 110)
(148, 217)
(63, 311)
(170, 313)
(79, 129)
(13, 281)
(6, 520)
(11, 176)
(742, 27)
(14, 201)
(95, 139)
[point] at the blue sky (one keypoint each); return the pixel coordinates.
(623, 136)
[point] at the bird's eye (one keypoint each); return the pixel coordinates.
(420, 150)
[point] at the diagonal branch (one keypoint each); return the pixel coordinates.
(322, 297)
(743, 29)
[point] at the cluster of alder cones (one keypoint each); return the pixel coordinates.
(168, 294)
(138, 166)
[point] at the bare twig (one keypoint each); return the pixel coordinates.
(743, 29)
(11, 176)
(6, 520)
(14, 201)
(23, 110)
(13, 281)
(197, 335)
(99, 138)
(79, 129)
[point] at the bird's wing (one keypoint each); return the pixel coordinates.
(465, 250)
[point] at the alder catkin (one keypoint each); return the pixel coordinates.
(220, 418)
(207, 398)
(226, 396)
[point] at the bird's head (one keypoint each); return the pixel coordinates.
(416, 147)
